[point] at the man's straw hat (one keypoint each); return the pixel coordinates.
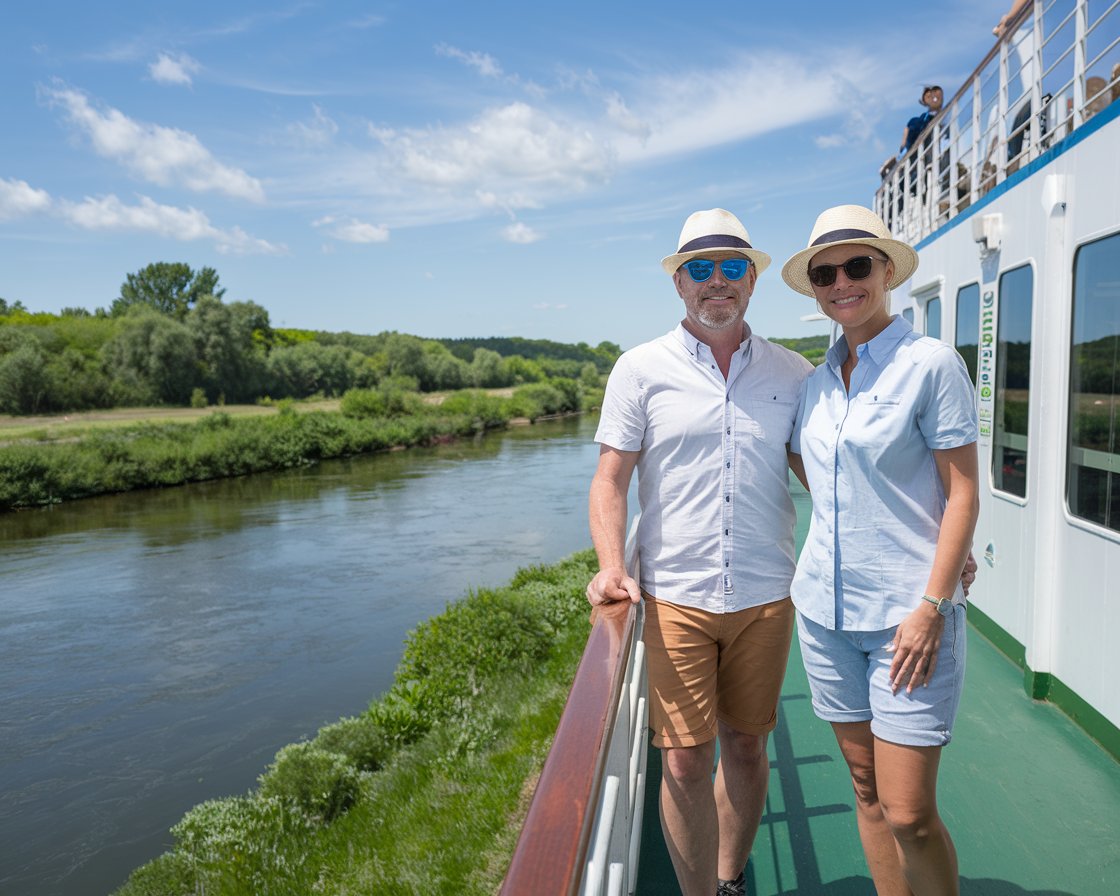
(714, 230)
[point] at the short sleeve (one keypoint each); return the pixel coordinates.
(948, 414)
(622, 421)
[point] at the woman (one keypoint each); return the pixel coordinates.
(885, 440)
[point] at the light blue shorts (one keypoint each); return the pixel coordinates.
(849, 676)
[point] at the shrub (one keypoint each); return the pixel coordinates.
(535, 400)
(484, 410)
(360, 739)
(363, 403)
(198, 397)
(322, 784)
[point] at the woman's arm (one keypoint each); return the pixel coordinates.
(919, 634)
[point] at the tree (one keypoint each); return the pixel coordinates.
(170, 288)
(229, 360)
(23, 380)
(11, 307)
(152, 358)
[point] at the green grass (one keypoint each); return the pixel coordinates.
(425, 792)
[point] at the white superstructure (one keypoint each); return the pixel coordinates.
(1012, 199)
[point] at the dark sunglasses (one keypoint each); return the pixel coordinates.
(858, 268)
(700, 269)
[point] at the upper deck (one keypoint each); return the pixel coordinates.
(1059, 58)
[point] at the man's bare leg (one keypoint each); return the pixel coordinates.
(688, 816)
(741, 782)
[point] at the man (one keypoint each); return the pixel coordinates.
(704, 414)
(933, 97)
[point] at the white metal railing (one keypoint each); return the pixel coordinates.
(612, 866)
(1054, 68)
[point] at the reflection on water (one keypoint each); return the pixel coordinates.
(157, 648)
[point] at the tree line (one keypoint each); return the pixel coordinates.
(170, 339)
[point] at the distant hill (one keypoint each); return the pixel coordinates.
(812, 347)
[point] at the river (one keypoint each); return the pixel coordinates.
(158, 648)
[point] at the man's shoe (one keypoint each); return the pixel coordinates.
(737, 887)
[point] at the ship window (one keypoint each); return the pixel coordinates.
(908, 315)
(1093, 476)
(933, 318)
(1013, 381)
(968, 326)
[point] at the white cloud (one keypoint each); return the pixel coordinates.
(173, 70)
(351, 230)
(318, 132)
(511, 152)
(110, 213)
(483, 63)
(520, 233)
(693, 110)
(18, 198)
(161, 155)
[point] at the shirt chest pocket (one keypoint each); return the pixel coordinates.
(873, 416)
(769, 417)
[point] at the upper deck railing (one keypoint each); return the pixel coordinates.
(1054, 68)
(583, 829)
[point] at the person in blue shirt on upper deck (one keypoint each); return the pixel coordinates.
(885, 441)
(932, 98)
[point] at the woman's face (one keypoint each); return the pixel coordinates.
(854, 303)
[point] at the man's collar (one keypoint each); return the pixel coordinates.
(692, 343)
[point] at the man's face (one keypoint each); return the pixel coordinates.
(933, 98)
(717, 303)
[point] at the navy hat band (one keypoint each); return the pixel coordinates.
(715, 241)
(835, 236)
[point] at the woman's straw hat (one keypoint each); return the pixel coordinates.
(840, 226)
(714, 230)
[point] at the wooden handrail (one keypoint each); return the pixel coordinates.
(552, 849)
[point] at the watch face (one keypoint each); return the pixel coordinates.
(945, 607)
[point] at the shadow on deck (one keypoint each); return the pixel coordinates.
(1032, 802)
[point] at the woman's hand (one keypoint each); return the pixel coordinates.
(915, 645)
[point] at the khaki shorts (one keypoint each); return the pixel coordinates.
(708, 666)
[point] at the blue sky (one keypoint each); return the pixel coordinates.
(448, 169)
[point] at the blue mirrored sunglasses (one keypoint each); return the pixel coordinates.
(700, 269)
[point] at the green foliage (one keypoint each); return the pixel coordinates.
(362, 740)
(363, 403)
(535, 400)
(484, 410)
(198, 398)
(322, 784)
(168, 288)
(23, 380)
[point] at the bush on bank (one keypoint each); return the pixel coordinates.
(220, 445)
(424, 792)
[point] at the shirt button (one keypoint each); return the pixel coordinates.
(727, 498)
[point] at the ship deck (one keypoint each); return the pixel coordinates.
(1032, 802)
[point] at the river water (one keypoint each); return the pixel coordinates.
(158, 648)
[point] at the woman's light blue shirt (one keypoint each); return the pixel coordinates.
(877, 495)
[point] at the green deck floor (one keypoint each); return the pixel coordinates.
(1032, 802)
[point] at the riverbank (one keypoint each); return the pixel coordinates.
(424, 792)
(46, 465)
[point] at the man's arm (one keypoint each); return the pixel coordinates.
(607, 513)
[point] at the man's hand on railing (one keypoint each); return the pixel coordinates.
(612, 585)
